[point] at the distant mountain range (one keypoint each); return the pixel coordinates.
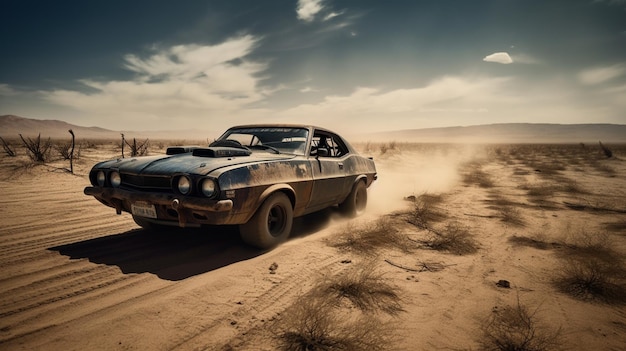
(11, 126)
(510, 133)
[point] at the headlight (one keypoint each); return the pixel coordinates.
(101, 178)
(208, 187)
(115, 179)
(184, 185)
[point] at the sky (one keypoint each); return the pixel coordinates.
(349, 65)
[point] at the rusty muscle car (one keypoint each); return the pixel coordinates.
(256, 176)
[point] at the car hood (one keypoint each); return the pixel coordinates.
(186, 163)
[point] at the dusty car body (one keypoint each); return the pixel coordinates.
(256, 176)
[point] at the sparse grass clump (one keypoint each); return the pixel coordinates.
(366, 289)
(455, 239)
(367, 239)
(592, 280)
(425, 211)
(478, 177)
(515, 328)
(319, 320)
(314, 324)
(592, 270)
(511, 215)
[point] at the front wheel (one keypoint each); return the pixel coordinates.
(355, 203)
(271, 224)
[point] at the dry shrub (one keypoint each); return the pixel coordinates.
(314, 324)
(368, 239)
(455, 238)
(511, 215)
(592, 270)
(366, 289)
(515, 328)
(38, 150)
(317, 321)
(564, 185)
(592, 280)
(476, 176)
(8, 148)
(425, 211)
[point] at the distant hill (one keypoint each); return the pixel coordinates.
(509, 133)
(11, 126)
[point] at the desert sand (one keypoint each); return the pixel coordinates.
(523, 220)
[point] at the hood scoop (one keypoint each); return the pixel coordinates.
(176, 150)
(221, 152)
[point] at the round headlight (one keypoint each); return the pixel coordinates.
(184, 185)
(115, 179)
(101, 178)
(208, 187)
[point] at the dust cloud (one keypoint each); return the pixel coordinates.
(414, 169)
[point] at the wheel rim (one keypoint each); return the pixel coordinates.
(276, 220)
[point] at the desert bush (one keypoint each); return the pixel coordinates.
(365, 288)
(136, 149)
(591, 280)
(455, 238)
(313, 324)
(63, 149)
(592, 269)
(607, 152)
(515, 328)
(476, 176)
(37, 150)
(511, 215)
(592, 245)
(367, 239)
(425, 211)
(8, 148)
(548, 189)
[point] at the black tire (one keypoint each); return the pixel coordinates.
(356, 202)
(271, 224)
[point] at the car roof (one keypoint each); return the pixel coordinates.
(282, 125)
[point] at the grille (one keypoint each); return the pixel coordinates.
(146, 182)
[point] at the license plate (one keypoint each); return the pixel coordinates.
(143, 209)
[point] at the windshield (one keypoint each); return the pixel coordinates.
(277, 139)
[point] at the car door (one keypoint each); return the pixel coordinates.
(329, 174)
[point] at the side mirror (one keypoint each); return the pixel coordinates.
(322, 152)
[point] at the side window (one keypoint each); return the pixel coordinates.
(331, 142)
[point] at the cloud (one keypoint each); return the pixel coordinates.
(308, 90)
(524, 58)
(599, 75)
(332, 15)
(307, 9)
(499, 57)
(379, 109)
(183, 81)
(6, 90)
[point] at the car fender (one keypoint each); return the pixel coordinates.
(285, 188)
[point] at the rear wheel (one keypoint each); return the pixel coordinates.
(356, 202)
(271, 224)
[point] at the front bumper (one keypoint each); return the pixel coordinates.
(169, 206)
